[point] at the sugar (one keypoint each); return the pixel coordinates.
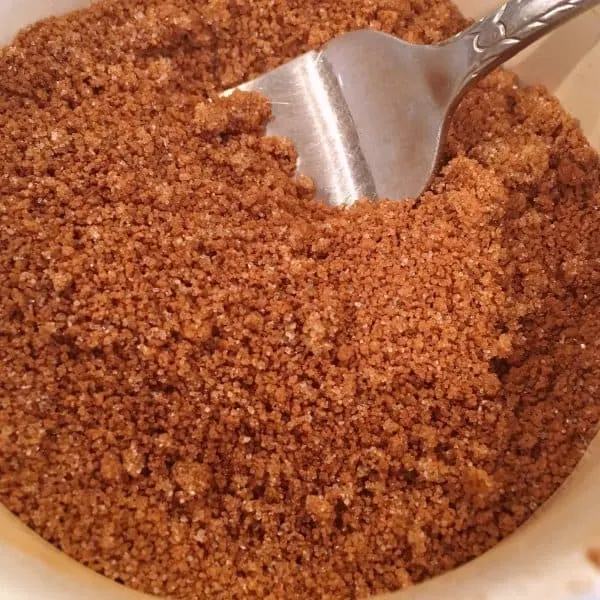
(247, 392)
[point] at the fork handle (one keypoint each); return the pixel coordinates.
(515, 25)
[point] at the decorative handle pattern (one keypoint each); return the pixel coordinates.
(516, 24)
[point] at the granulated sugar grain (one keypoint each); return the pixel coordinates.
(215, 387)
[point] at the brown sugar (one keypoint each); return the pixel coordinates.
(214, 386)
(593, 555)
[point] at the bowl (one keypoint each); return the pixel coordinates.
(554, 556)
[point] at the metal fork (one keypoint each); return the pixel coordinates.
(368, 113)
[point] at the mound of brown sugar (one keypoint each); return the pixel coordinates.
(212, 385)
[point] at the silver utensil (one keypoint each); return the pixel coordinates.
(368, 113)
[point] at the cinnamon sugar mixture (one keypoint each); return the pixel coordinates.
(213, 386)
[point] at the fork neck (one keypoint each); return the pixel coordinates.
(513, 26)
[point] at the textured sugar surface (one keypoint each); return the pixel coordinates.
(212, 386)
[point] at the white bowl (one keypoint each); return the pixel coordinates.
(548, 558)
